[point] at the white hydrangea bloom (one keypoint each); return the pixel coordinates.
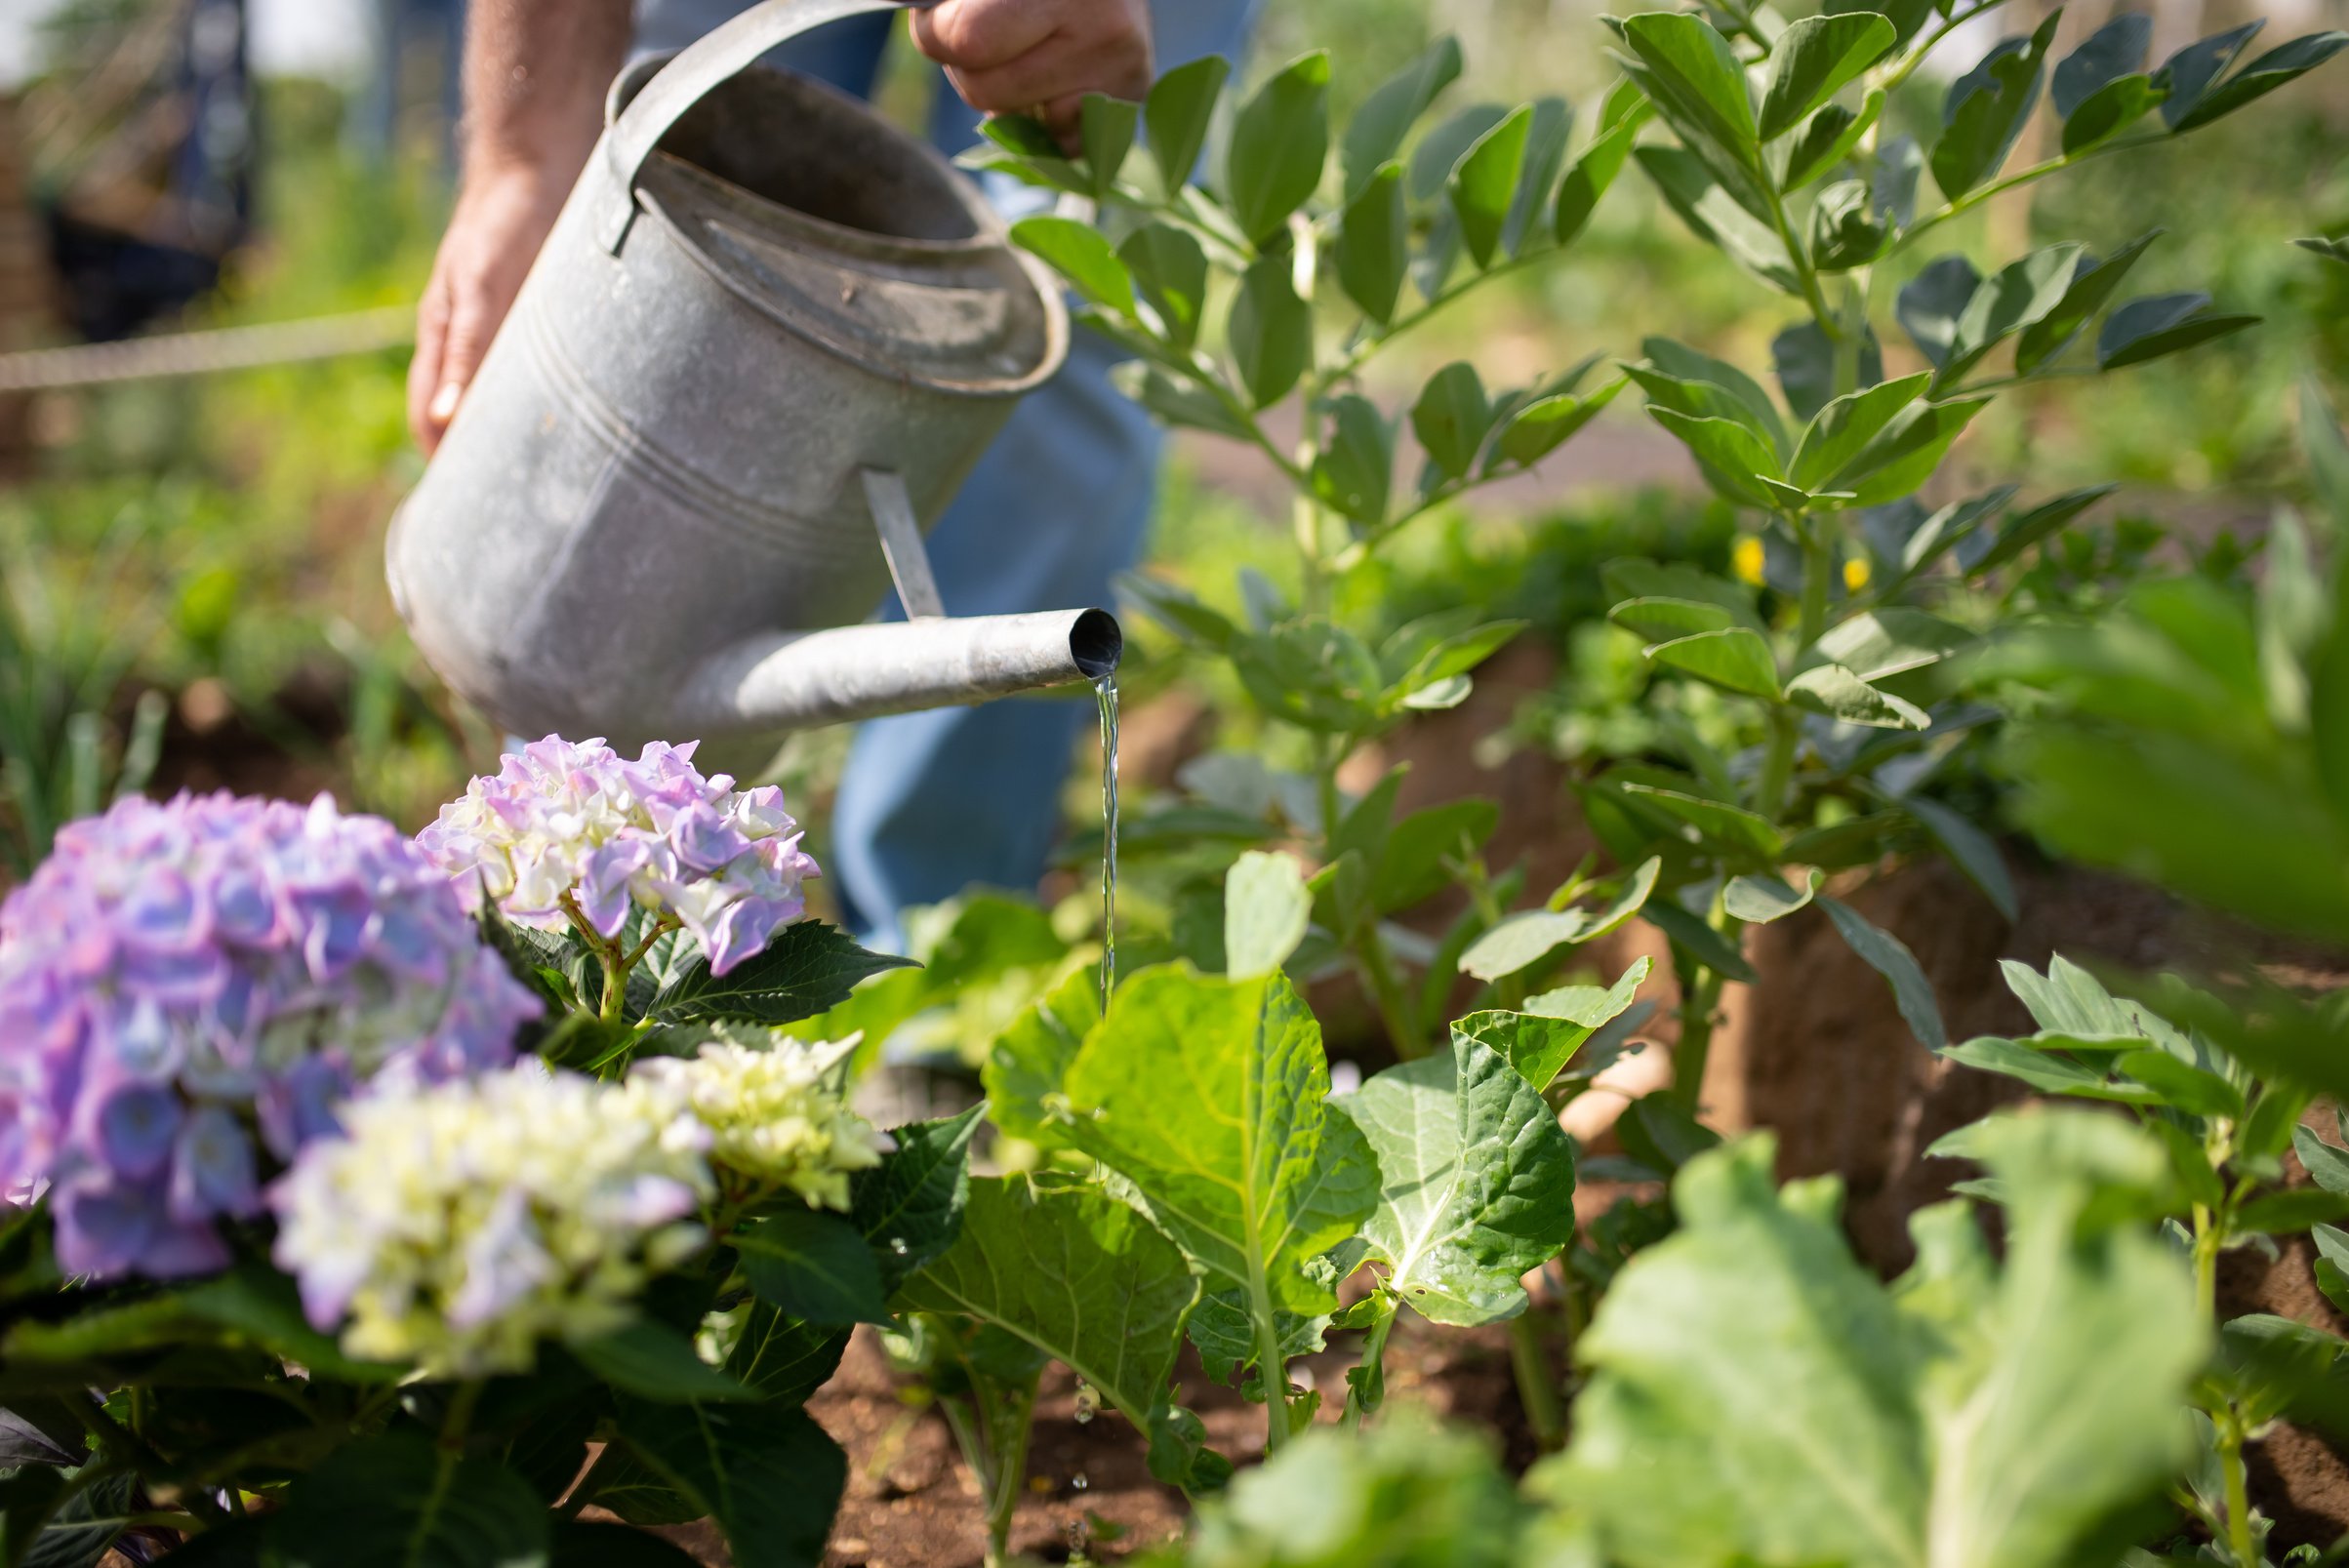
(454, 1225)
(777, 1110)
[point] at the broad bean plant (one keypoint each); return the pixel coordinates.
(1771, 141)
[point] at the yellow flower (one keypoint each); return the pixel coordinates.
(1856, 576)
(1746, 560)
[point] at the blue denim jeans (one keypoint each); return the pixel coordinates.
(932, 803)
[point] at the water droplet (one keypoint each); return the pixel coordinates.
(896, 1245)
(1079, 1481)
(1088, 1402)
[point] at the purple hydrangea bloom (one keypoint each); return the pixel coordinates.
(569, 826)
(185, 986)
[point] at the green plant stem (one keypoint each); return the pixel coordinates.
(459, 1421)
(1537, 1389)
(1374, 1355)
(1394, 1010)
(1918, 55)
(2239, 1500)
(1805, 274)
(1697, 1007)
(2021, 177)
(2206, 1236)
(1009, 1460)
(1271, 1367)
(1365, 348)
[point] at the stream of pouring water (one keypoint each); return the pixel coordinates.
(1105, 689)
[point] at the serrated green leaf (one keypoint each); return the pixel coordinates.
(771, 1478)
(654, 1361)
(1073, 1271)
(1177, 113)
(1736, 658)
(1890, 956)
(393, 1501)
(807, 968)
(1029, 1063)
(1209, 1096)
(1374, 243)
(813, 1264)
(1815, 58)
(1280, 141)
(1477, 1182)
(1539, 1040)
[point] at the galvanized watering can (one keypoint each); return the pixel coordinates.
(767, 339)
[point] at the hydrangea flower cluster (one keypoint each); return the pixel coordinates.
(575, 823)
(178, 978)
(455, 1225)
(776, 1112)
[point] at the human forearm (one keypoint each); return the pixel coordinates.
(535, 76)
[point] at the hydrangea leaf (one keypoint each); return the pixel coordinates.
(813, 1264)
(1266, 910)
(1210, 1097)
(1026, 1067)
(1078, 1275)
(391, 1500)
(770, 1477)
(809, 967)
(1477, 1182)
(654, 1361)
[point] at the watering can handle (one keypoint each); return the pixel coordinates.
(717, 55)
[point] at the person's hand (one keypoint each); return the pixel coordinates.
(1039, 58)
(503, 217)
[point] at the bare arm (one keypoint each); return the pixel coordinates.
(535, 74)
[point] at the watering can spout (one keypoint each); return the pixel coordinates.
(797, 682)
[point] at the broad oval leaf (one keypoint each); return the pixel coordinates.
(1986, 109)
(1813, 60)
(2011, 299)
(1483, 183)
(1209, 1096)
(1177, 113)
(1377, 130)
(1832, 445)
(1280, 142)
(1546, 423)
(1078, 253)
(1105, 130)
(1354, 468)
(1451, 416)
(2162, 324)
(1373, 249)
(1702, 79)
(2189, 73)
(1272, 332)
(1661, 619)
(1477, 1182)
(2262, 76)
(1168, 268)
(1737, 657)
(2112, 52)
(1838, 694)
(2092, 287)
(2108, 110)
(1827, 140)
(813, 1264)
(1588, 180)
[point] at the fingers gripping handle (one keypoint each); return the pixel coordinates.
(710, 59)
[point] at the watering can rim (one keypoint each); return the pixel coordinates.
(632, 152)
